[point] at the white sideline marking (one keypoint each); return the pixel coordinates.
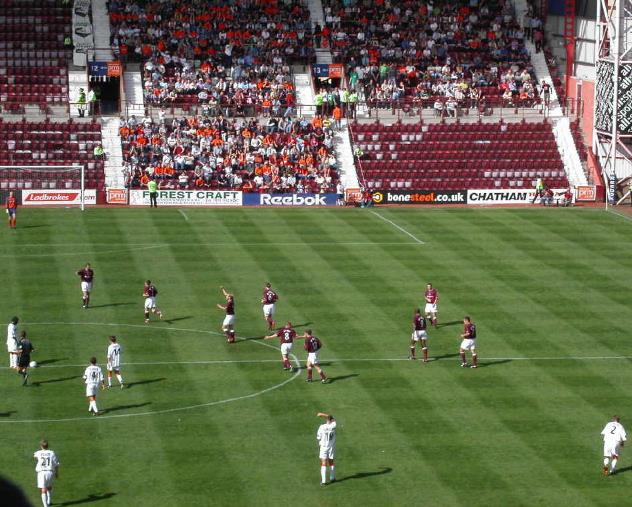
(168, 410)
(625, 217)
(132, 246)
(397, 227)
(183, 214)
(69, 254)
(341, 360)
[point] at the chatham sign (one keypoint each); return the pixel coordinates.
(506, 196)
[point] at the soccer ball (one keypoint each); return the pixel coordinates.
(33, 364)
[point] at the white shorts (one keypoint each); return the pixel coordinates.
(86, 286)
(268, 310)
(113, 367)
(419, 335)
(229, 320)
(327, 452)
(286, 348)
(45, 479)
(431, 308)
(312, 358)
(150, 303)
(91, 390)
(610, 449)
(468, 344)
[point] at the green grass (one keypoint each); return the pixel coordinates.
(538, 283)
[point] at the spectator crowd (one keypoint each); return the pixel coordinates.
(279, 155)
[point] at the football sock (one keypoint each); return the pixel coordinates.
(309, 374)
(474, 359)
(613, 464)
(425, 351)
(120, 379)
(412, 351)
(323, 474)
(109, 381)
(332, 475)
(49, 496)
(44, 502)
(605, 462)
(463, 361)
(322, 375)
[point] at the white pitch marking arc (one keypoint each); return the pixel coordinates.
(168, 410)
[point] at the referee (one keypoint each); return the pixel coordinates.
(26, 347)
(152, 186)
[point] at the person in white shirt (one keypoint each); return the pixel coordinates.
(12, 343)
(93, 377)
(613, 439)
(326, 437)
(114, 361)
(47, 468)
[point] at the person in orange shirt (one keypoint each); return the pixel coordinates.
(317, 122)
(12, 208)
(337, 113)
(144, 179)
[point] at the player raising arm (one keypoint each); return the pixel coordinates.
(228, 324)
(286, 336)
(93, 378)
(468, 342)
(313, 346)
(326, 437)
(613, 439)
(150, 293)
(419, 335)
(431, 310)
(114, 361)
(87, 275)
(47, 469)
(268, 301)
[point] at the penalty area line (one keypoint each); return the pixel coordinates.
(186, 217)
(398, 227)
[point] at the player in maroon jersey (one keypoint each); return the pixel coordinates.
(150, 293)
(286, 335)
(228, 325)
(419, 335)
(268, 301)
(12, 208)
(313, 346)
(87, 275)
(432, 298)
(468, 342)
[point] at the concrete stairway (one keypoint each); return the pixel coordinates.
(133, 83)
(304, 93)
(114, 177)
(101, 31)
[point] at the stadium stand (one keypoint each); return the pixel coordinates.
(458, 156)
(246, 49)
(26, 143)
(219, 153)
(399, 53)
(33, 57)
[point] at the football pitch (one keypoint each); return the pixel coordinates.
(204, 422)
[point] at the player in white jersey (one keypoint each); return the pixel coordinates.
(326, 437)
(12, 343)
(47, 468)
(93, 377)
(114, 361)
(613, 439)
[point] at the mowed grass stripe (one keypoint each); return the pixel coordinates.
(559, 301)
(326, 262)
(182, 264)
